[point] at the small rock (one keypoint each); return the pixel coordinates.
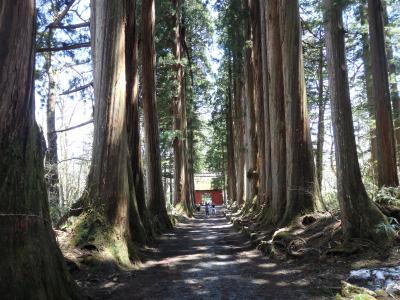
(393, 290)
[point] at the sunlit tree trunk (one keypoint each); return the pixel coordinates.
(31, 264)
(259, 98)
(133, 118)
(51, 152)
(276, 112)
(321, 119)
(386, 154)
(239, 139)
(181, 180)
(230, 140)
(111, 216)
(249, 106)
(394, 91)
(157, 204)
(265, 99)
(366, 57)
(188, 190)
(360, 217)
(301, 183)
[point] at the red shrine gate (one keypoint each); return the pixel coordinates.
(206, 191)
(213, 196)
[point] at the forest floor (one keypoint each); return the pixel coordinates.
(205, 258)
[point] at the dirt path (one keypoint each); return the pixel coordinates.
(205, 258)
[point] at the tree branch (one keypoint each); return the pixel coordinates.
(71, 26)
(62, 14)
(64, 47)
(74, 158)
(76, 89)
(73, 127)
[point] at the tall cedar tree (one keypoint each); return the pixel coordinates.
(250, 114)
(360, 216)
(231, 170)
(132, 115)
(386, 154)
(111, 220)
(51, 153)
(301, 182)
(265, 99)
(276, 112)
(31, 265)
(157, 205)
(181, 175)
(366, 58)
(394, 91)
(256, 25)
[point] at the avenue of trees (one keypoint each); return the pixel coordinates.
(145, 68)
(271, 164)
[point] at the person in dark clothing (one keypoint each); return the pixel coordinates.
(213, 210)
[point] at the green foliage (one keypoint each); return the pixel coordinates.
(353, 292)
(386, 231)
(196, 22)
(74, 64)
(388, 196)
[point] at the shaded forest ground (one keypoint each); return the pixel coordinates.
(206, 258)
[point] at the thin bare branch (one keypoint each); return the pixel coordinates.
(64, 47)
(73, 127)
(71, 26)
(77, 89)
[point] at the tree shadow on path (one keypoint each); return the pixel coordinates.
(205, 258)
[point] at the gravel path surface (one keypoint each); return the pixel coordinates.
(205, 258)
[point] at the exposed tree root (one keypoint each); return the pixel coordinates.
(313, 235)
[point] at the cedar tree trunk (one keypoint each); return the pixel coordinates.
(31, 265)
(301, 181)
(360, 216)
(276, 112)
(386, 154)
(157, 205)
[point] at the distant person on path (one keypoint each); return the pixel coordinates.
(207, 209)
(213, 209)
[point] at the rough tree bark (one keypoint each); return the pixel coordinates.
(230, 141)
(386, 154)
(51, 152)
(181, 176)
(265, 99)
(132, 115)
(258, 96)
(366, 57)
(276, 112)
(394, 91)
(360, 216)
(111, 220)
(321, 119)
(157, 205)
(249, 108)
(239, 137)
(31, 265)
(302, 189)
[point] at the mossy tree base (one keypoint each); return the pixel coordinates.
(107, 243)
